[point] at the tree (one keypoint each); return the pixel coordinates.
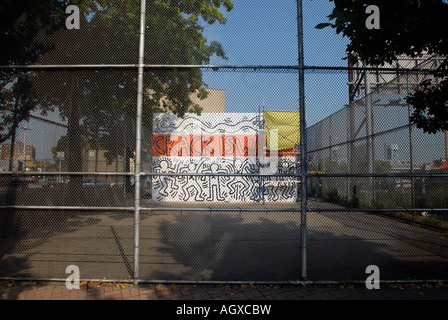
(34, 31)
(103, 102)
(21, 21)
(382, 166)
(407, 27)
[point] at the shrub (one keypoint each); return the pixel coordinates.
(355, 201)
(333, 195)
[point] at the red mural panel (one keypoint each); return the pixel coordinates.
(198, 145)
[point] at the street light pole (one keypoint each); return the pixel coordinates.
(24, 147)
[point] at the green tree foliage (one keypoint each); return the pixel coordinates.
(105, 100)
(382, 166)
(34, 31)
(407, 27)
(20, 23)
(100, 105)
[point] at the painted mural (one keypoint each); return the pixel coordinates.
(216, 143)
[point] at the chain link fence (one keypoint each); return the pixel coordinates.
(157, 166)
(381, 178)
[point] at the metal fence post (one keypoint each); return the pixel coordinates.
(303, 172)
(138, 144)
(369, 138)
(411, 151)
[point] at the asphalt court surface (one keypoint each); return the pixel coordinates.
(225, 245)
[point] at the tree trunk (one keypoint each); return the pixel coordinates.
(74, 157)
(128, 139)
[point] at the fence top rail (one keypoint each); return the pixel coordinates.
(168, 174)
(60, 173)
(381, 175)
(221, 209)
(255, 175)
(216, 67)
(378, 210)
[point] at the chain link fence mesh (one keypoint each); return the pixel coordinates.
(382, 181)
(207, 209)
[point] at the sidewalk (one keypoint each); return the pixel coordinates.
(108, 291)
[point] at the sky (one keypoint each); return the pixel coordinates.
(264, 32)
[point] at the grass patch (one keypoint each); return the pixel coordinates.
(432, 220)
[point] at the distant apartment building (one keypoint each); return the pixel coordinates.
(214, 103)
(96, 161)
(19, 156)
(363, 82)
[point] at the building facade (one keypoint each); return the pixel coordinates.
(21, 156)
